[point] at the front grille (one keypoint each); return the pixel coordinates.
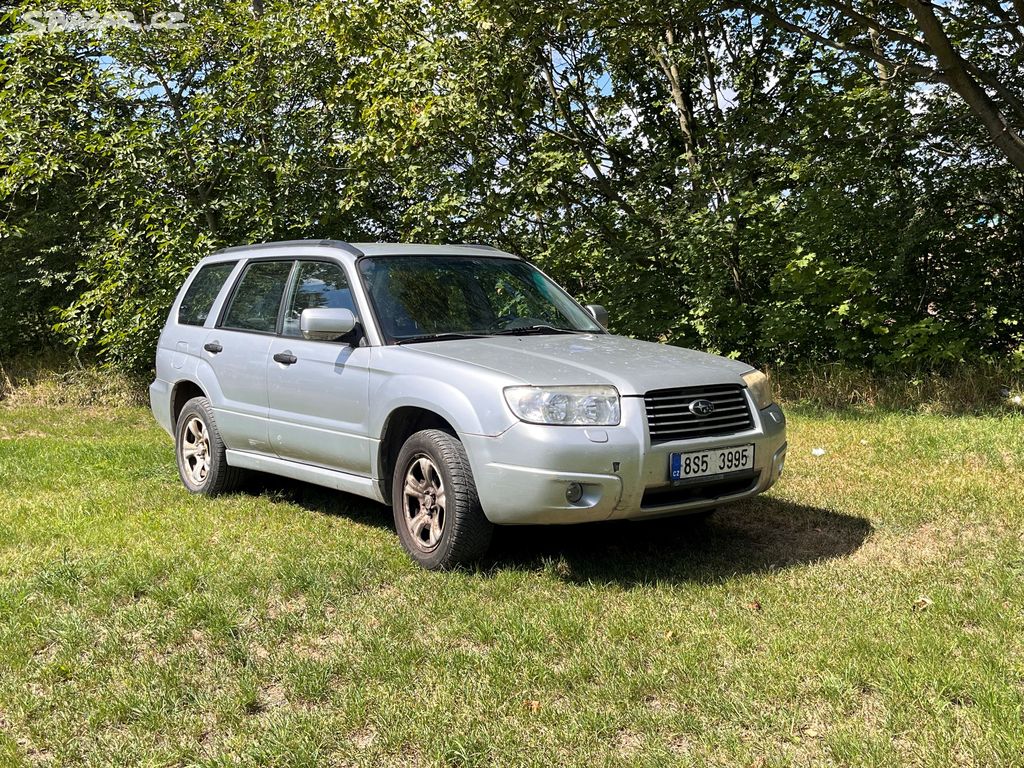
(669, 416)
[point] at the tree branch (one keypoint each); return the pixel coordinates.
(681, 99)
(921, 72)
(599, 178)
(1013, 101)
(881, 29)
(1018, 7)
(1014, 28)
(961, 79)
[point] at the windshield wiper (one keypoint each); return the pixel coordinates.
(449, 336)
(439, 337)
(532, 329)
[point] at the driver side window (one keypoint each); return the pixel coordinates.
(316, 284)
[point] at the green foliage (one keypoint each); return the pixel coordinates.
(714, 180)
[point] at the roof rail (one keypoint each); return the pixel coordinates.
(341, 244)
(483, 246)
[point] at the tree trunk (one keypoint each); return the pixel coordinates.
(684, 105)
(876, 45)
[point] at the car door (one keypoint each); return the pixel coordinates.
(317, 390)
(238, 348)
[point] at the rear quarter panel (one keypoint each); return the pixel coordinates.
(179, 354)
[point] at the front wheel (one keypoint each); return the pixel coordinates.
(437, 511)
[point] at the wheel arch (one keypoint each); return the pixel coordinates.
(181, 393)
(401, 423)
(409, 403)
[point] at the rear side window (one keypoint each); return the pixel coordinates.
(257, 298)
(198, 299)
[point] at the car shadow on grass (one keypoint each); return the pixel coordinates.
(315, 498)
(754, 536)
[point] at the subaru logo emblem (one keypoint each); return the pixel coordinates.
(702, 407)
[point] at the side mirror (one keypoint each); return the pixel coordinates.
(326, 324)
(599, 313)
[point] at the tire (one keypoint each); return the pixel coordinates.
(199, 451)
(437, 511)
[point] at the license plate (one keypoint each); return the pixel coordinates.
(683, 466)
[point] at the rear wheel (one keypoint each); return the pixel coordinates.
(437, 511)
(202, 465)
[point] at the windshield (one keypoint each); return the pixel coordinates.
(418, 298)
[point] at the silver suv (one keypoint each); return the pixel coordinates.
(457, 383)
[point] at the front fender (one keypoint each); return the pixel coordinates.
(475, 408)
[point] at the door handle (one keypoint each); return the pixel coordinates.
(285, 358)
(213, 347)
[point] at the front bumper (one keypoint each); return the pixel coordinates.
(523, 474)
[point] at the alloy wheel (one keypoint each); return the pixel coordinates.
(424, 502)
(195, 450)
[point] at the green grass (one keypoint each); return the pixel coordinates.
(869, 611)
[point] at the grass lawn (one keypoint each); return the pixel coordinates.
(869, 611)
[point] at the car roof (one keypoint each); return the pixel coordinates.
(355, 250)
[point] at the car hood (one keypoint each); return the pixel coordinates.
(633, 367)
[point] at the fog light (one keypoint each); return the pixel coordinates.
(574, 493)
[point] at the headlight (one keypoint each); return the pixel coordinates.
(759, 388)
(589, 406)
